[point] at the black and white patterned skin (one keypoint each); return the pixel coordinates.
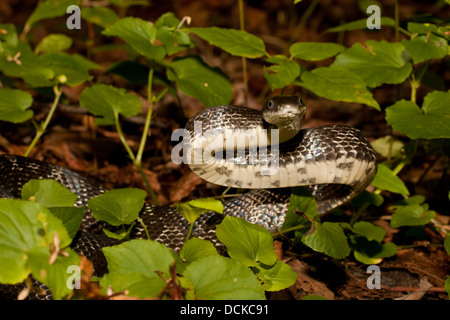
(335, 162)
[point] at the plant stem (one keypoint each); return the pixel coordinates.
(122, 138)
(137, 160)
(301, 23)
(40, 130)
(139, 219)
(191, 227)
(399, 167)
(360, 211)
(148, 118)
(147, 183)
(133, 158)
(299, 227)
(414, 86)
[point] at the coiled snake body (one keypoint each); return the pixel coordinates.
(336, 162)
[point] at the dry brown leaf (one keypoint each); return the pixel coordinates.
(184, 186)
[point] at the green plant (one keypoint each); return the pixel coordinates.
(47, 206)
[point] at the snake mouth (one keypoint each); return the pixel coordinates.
(285, 115)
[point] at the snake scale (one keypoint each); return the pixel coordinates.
(335, 161)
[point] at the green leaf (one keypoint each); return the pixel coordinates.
(196, 248)
(120, 234)
(8, 35)
(369, 230)
(107, 102)
(20, 61)
(14, 104)
(219, 278)
(193, 209)
(421, 28)
(430, 122)
(142, 256)
(118, 206)
(167, 19)
(447, 244)
(376, 62)
(361, 24)
(367, 197)
(49, 9)
(209, 204)
(54, 43)
(423, 48)
(63, 64)
(235, 42)
(338, 84)
(49, 193)
(25, 225)
(137, 284)
(412, 215)
(139, 34)
(248, 243)
(315, 51)
(85, 63)
(443, 31)
(301, 204)
(71, 218)
(195, 79)
(416, 199)
(101, 16)
(277, 277)
(387, 180)
(58, 199)
(54, 275)
(134, 265)
(302, 201)
(281, 74)
(373, 252)
(388, 146)
(328, 238)
(174, 40)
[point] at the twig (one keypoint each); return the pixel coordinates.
(403, 289)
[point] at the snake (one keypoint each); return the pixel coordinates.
(262, 152)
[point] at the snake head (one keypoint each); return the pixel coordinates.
(287, 113)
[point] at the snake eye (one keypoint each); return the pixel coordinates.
(270, 104)
(301, 102)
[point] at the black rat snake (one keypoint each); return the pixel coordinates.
(336, 162)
